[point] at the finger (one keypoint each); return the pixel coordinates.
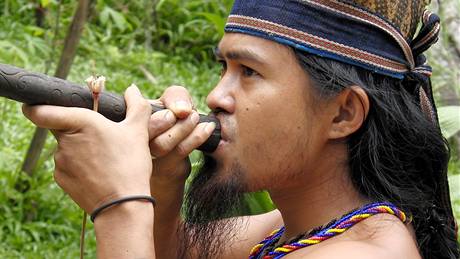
(138, 109)
(157, 103)
(57, 118)
(178, 100)
(164, 143)
(160, 122)
(199, 135)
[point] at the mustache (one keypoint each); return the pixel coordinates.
(227, 125)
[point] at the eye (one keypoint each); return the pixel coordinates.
(248, 72)
(223, 67)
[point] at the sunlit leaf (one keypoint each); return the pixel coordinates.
(45, 3)
(449, 119)
(35, 30)
(104, 15)
(258, 202)
(454, 185)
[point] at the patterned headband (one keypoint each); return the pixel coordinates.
(342, 32)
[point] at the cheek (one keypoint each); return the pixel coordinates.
(273, 140)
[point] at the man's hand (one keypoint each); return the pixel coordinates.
(174, 133)
(98, 160)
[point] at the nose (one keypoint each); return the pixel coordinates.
(222, 97)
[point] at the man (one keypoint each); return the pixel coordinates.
(322, 103)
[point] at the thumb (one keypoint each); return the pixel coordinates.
(138, 109)
(56, 117)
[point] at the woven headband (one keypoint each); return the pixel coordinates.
(342, 32)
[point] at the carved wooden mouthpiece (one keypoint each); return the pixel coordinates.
(35, 88)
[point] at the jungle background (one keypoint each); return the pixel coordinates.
(153, 43)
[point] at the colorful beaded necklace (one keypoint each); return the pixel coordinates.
(334, 228)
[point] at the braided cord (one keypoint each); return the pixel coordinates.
(337, 228)
(270, 239)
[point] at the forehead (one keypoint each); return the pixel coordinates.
(267, 50)
(277, 63)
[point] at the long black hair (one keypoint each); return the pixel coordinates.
(398, 155)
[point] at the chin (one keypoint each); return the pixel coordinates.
(225, 166)
(214, 192)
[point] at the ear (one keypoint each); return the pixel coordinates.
(350, 111)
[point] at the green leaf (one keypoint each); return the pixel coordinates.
(160, 4)
(45, 3)
(258, 203)
(104, 15)
(454, 186)
(217, 20)
(13, 52)
(35, 30)
(449, 119)
(118, 18)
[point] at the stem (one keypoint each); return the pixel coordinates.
(83, 224)
(95, 102)
(82, 236)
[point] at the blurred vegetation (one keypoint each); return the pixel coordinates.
(153, 44)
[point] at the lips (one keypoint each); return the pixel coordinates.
(223, 132)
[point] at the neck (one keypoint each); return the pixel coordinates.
(328, 194)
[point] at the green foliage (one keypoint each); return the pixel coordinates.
(37, 219)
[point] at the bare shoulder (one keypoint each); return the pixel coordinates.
(381, 236)
(255, 228)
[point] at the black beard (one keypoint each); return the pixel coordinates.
(210, 198)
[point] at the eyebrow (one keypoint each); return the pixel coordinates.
(241, 54)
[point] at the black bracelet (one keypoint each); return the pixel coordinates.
(121, 200)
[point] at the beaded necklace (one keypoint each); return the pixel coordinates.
(334, 228)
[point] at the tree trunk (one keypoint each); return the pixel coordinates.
(40, 15)
(62, 71)
(72, 39)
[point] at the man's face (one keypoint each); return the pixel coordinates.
(264, 100)
(271, 135)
